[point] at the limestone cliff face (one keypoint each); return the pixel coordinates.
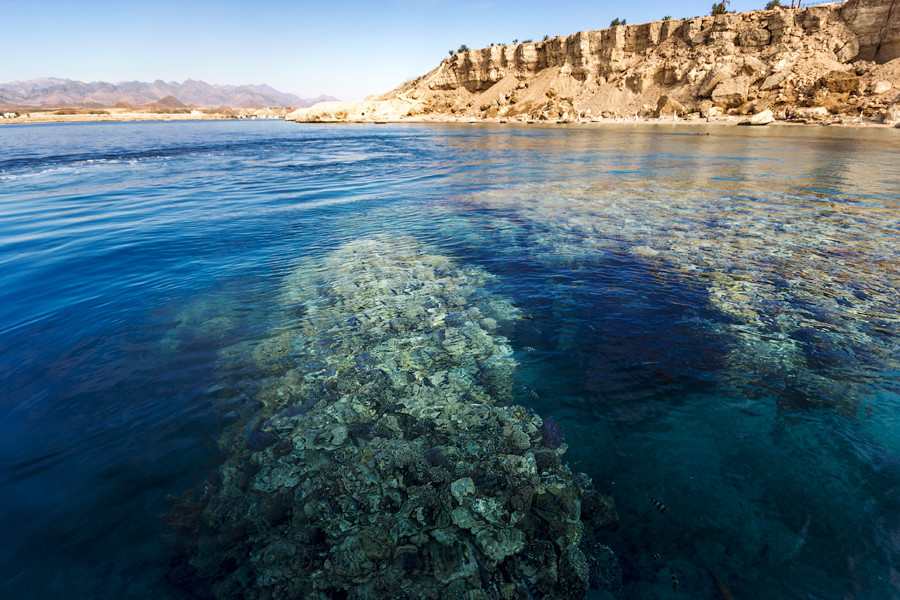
(876, 24)
(835, 59)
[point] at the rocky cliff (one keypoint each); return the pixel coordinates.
(827, 62)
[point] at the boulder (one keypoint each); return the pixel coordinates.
(668, 106)
(761, 118)
(840, 82)
(713, 79)
(708, 110)
(775, 80)
(845, 49)
(751, 107)
(880, 87)
(636, 82)
(670, 75)
(811, 112)
(753, 67)
(780, 23)
(814, 19)
(732, 92)
(891, 114)
(754, 37)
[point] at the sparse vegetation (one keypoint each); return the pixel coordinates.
(720, 8)
(617, 21)
(773, 4)
(667, 18)
(451, 52)
(168, 111)
(546, 37)
(462, 48)
(527, 41)
(80, 111)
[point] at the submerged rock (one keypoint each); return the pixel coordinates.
(411, 477)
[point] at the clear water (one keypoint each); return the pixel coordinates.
(711, 318)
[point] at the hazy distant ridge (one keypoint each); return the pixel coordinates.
(52, 92)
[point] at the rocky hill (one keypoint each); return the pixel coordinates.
(52, 92)
(832, 62)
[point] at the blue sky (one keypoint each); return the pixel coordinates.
(345, 48)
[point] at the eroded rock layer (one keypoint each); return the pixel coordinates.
(804, 64)
(386, 460)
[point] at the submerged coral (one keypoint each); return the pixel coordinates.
(799, 290)
(386, 459)
(209, 319)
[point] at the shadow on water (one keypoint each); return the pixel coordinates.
(89, 460)
(626, 362)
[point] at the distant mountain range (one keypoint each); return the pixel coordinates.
(51, 92)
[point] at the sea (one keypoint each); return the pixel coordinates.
(709, 314)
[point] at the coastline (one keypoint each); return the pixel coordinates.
(58, 119)
(719, 121)
(114, 115)
(724, 121)
(832, 65)
(606, 122)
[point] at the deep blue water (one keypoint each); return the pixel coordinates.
(711, 318)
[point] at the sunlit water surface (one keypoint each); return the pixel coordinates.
(711, 317)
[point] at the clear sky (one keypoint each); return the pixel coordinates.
(345, 48)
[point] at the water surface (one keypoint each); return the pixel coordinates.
(711, 318)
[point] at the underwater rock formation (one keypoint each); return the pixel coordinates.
(794, 317)
(385, 460)
(208, 319)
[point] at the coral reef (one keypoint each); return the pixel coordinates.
(385, 458)
(208, 319)
(795, 317)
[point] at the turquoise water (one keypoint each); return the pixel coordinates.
(710, 319)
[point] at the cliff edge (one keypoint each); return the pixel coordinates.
(826, 63)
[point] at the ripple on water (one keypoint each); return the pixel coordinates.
(709, 321)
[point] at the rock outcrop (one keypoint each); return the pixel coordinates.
(876, 24)
(832, 56)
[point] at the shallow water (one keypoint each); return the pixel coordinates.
(712, 319)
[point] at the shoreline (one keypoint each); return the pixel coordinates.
(681, 122)
(127, 118)
(726, 121)
(118, 114)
